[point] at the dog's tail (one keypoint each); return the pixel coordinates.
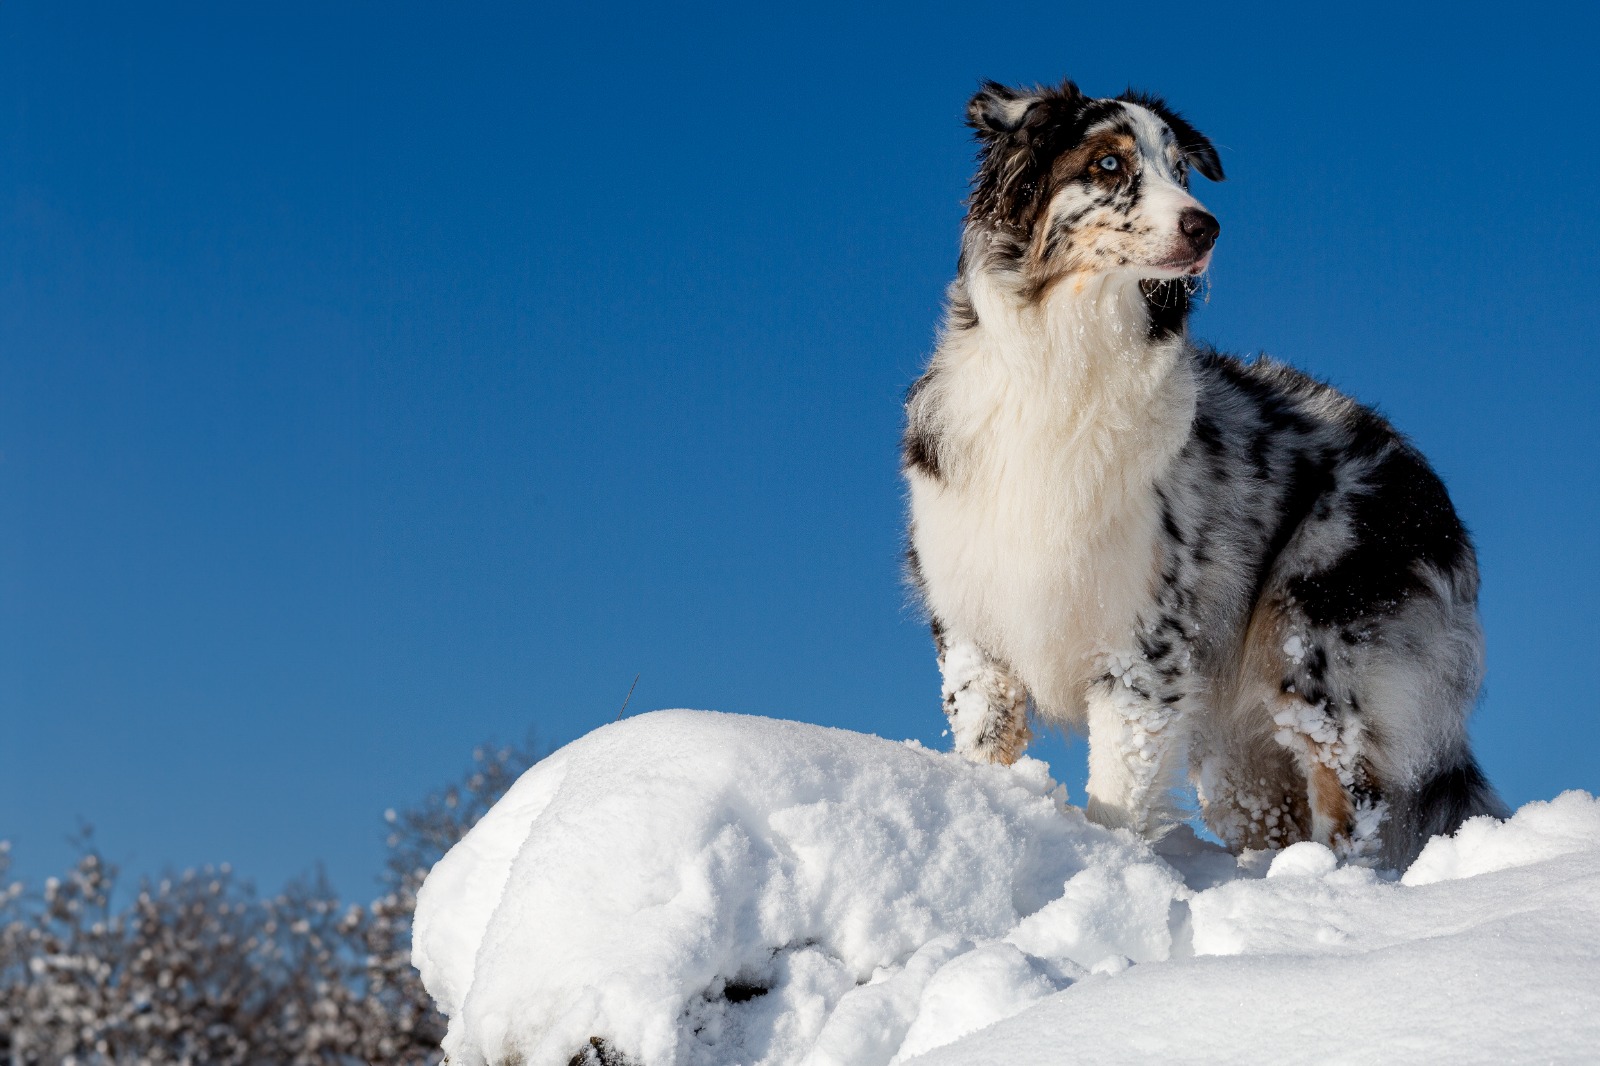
(1455, 792)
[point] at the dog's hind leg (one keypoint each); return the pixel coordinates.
(1252, 793)
(1301, 677)
(986, 705)
(1347, 806)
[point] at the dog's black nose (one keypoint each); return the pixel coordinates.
(1201, 227)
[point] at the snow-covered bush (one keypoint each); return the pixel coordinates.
(195, 968)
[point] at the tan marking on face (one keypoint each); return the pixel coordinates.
(1093, 241)
(1080, 260)
(1070, 166)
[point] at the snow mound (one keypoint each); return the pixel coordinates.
(1487, 951)
(688, 888)
(1567, 824)
(706, 888)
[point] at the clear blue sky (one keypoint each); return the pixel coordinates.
(377, 379)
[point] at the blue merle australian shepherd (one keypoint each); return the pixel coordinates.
(1221, 568)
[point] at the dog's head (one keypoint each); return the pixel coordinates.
(1075, 187)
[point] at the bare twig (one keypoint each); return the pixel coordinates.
(625, 700)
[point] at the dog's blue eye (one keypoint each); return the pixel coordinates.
(1108, 163)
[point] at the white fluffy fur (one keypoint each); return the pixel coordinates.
(1040, 542)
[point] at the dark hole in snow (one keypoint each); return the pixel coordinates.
(598, 1053)
(742, 993)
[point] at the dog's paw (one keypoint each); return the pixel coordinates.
(988, 716)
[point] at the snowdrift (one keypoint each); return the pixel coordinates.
(691, 888)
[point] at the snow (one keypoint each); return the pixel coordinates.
(1295, 649)
(696, 888)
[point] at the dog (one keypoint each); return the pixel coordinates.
(1221, 568)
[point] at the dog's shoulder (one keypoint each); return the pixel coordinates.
(1289, 400)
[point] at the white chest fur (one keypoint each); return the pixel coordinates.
(1038, 539)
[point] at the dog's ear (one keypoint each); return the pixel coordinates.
(1017, 130)
(996, 111)
(1195, 146)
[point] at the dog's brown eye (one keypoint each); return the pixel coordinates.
(1108, 163)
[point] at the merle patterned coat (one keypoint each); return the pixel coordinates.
(1222, 570)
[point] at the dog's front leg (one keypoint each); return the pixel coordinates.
(987, 706)
(1137, 739)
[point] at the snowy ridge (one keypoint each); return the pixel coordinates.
(696, 888)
